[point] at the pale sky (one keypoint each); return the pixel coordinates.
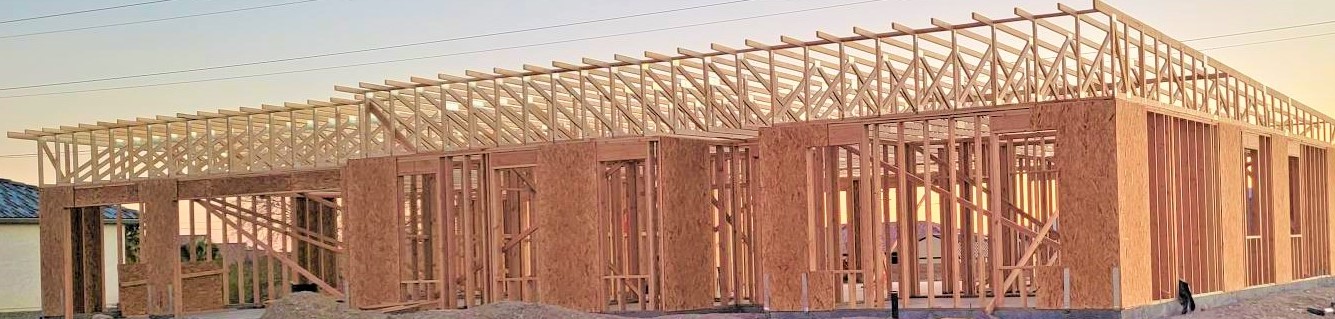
(1294, 67)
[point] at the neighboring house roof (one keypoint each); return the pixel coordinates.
(19, 201)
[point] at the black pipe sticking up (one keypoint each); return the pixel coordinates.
(894, 305)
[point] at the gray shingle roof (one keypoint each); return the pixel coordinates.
(19, 200)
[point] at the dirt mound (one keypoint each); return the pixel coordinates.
(313, 305)
(506, 310)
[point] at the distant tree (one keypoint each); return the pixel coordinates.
(204, 250)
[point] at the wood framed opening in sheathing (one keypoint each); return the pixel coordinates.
(942, 211)
(249, 251)
(1259, 222)
(1309, 212)
(1184, 237)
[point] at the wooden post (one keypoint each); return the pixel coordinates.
(1279, 183)
(54, 229)
(568, 268)
(369, 194)
(161, 255)
(1232, 211)
(687, 263)
(1104, 203)
(783, 204)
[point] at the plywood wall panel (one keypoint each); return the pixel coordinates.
(568, 266)
(160, 219)
(370, 197)
(106, 195)
(54, 230)
(1232, 226)
(133, 293)
(782, 213)
(686, 229)
(1101, 151)
(1133, 205)
(310, 180)
(202, 281)
(1279, 160)
(202, 289)
(1048, 281)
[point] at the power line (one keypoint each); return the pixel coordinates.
(321, 55)
(154, 20)
(83, 11)
(447, 54)
(1260, 31)
(1269, 41)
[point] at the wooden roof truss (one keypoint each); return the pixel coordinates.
(725, 92)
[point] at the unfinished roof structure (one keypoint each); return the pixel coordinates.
(759, 174)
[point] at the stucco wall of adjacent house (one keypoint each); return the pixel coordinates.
(20, 287)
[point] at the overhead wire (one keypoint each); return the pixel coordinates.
(1260, 31)
(154, 20)
(82, 11)
(396, 46)
(444, 55)
(1269, 41)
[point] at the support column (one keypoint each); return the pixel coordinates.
(1232, 211)
(568, 265)
(370, 196)
(1102, 153)
(787, 282)
(54, 228)
(160, 220)
(1279, 183)
(686, 230)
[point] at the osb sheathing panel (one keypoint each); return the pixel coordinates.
(54, 232)
(1133, 204)
(782, 213)
(1279, 178)
(160, 218)
(1048, 280)
(106, 195)
(1101, 150)
(621, 149)
(686, 230)
(261, 184)
(1232, 224)
(568, 266)
(370, 198)
(133, 298)
(201, 293)
(514, 158)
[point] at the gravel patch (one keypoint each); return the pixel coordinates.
(1279, 306)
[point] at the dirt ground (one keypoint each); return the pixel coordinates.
(1286, 305)
(310, 305)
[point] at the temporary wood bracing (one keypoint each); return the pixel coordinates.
(1078, 159)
